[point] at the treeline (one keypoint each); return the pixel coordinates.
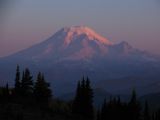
(28, 91)
(27, 94)
(33, 100)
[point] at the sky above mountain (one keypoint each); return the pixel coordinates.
(27, 22)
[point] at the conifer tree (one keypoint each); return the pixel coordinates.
(104, 110)
(27, 83)
(134, 108)
(5, 93)
(77, 100)
(146, 113)
(83, 102)
(7, 90)
(89, 99)
(42, 91)
(17, 87)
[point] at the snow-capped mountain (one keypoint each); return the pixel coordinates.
(77, 43)
(76, 51)
(72, 43)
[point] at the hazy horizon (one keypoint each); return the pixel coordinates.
(25, 23)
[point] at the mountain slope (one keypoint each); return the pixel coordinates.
(76, 51)
(69, 43)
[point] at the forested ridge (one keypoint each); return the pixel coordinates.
(31, 99)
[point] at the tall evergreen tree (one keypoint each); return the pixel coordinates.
(77, 100)
(104, 110)
(6, 94)
(83, 102)
(27, 83)
(146, 114)
(17, 87)
(89, 99)
(7, 90)
(42, 91)
(134, 108)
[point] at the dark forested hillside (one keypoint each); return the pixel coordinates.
(32, 99)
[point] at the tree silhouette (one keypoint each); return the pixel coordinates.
(17, 88)
(146, 113)
(134, 108)
(104, 111)
(77, 100)
(6, 93)
(34, 99)
(83, 102)
(27, 83)
(42, 91)
(27, 88)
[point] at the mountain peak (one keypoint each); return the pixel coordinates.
(79, 29)
(74, 32)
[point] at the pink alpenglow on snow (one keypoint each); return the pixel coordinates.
(72, 32)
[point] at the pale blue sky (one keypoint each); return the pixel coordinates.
(26, 22)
